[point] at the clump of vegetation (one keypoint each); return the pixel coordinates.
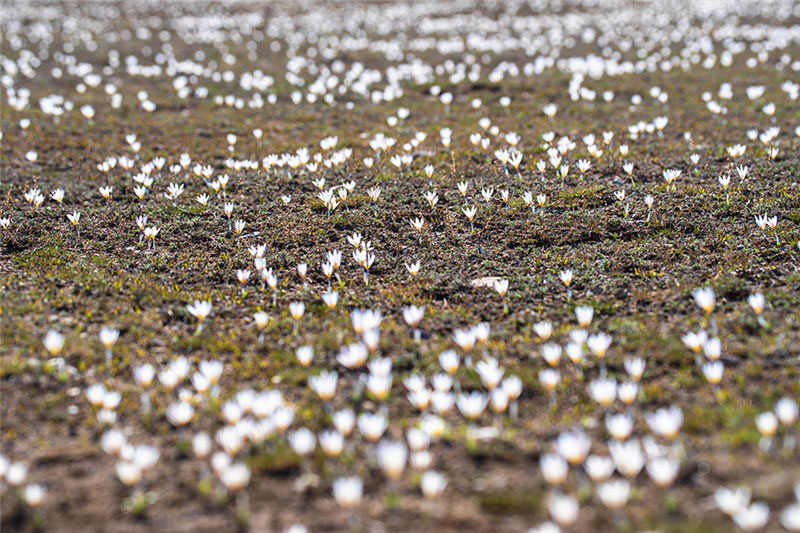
(285, 268)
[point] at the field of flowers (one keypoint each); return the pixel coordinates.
(400, 266)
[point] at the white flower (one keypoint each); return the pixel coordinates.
(106, 417)
(53, 342)
(129, 473)
(472, 405)
(584, 314)
(465, 339)
(305, 354)
(347, 491)
(145, 456)
(353, 356)
(695, 341)
(220, 461)
(169, 378)
(324, 384)
(111, 399)
(433, 425)
(563, 509)
(230, 439)
(297, 310)
(180, 413)
(627, 392)
(599, 344)
(554, 468)
(302, 441)
(490, 373)
(752, 517)
(790, 517)
(599, 468)
(413, 268)
(603, 391)
(108, 336)
(767, 424)
(551, 353)
(573, 446)
(143, 374)
(543, 330)
(615, 493)
(670, 175)
(34, 495)
(201, 445)
(414, 382)
(372, 426)
(180, 366)
(628, 457)
(433, 484)
(413, 315)
(112, 441)
(95, 394)
(330, 299)
(498, 400)
(731, 501)
(151, 232)
(344, 421)
(421, 399)
(574, 351)
(212, 370)
(705, 298)
(756, 302)
(713, 371)
(200, 309)
(242, 276)
(546, 527)
(283, 418)
(431, 197)
(420, 460)
(512, 386)
(16, 473)
(331, 442)
(469, 212)
(365, 320)
(417, 439)
(663, 471)
(666, 421)
(634, 366)
(501, 287)
(200, 382)
(549, 378)
(619, 426)
(787, 411)
(712, 348)
(235, 477)
(392, 458)
(449, 361)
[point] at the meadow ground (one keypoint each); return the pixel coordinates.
(638, 275)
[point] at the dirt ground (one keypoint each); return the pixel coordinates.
(637, 274)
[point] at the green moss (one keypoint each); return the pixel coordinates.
(277, 458)
(526, 501)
